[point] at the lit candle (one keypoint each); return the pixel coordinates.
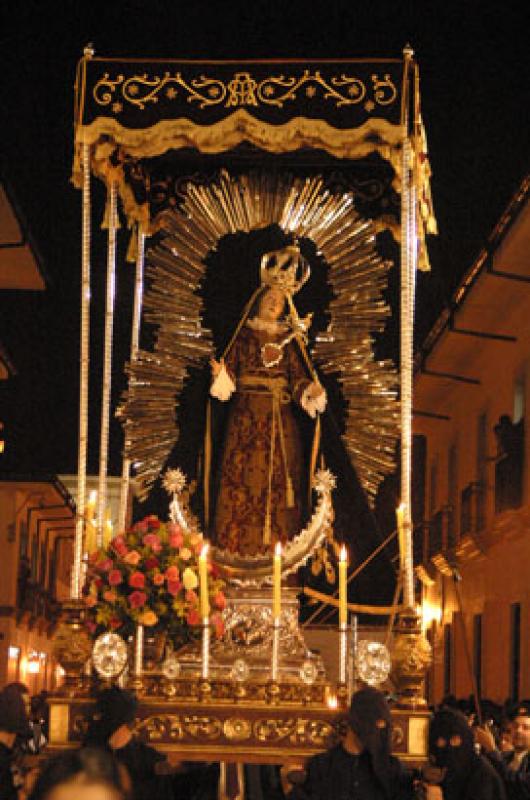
(91, 506)
(204, 601)
(277, 582)
(343, 594)
(108, 533)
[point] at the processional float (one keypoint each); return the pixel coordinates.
(331, 153)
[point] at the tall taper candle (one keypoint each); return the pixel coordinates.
(277, 582)
(204, 602)
(343, 587)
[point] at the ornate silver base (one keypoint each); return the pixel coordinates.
(246, 648)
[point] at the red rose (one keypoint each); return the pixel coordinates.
(173, 527)
(153, 523)
(115, 577)
(219, 601)
(193, 617)
(158, 579)
(98, 583)
(191, 597)
(137, 580)
(151, 563)
(115, 623)
(140, 527)
(172, 573)
(137, 599)
(174, 587)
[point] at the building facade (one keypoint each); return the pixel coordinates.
(36, 534)
(472, 534)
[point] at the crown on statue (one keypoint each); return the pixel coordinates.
(285, 269)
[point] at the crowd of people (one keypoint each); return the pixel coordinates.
(476, 752)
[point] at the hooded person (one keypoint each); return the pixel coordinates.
(14, 724)
(466, 774)
(112, 727)
(361, 766)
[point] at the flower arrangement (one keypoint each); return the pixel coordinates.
(149, 576)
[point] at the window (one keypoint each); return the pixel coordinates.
(515, 650)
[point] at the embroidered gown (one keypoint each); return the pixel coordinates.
(261, 422)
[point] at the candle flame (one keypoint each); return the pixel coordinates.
(332, 701)
(92, 498)
(204, 551)
(278, 549)
(343, 553)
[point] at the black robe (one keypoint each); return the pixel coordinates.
(339, 775)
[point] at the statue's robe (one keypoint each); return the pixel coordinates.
(246, 476)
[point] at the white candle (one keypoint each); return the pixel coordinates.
(204, 602)
(343, 593)
(277, 582)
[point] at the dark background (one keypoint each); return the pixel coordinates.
(473, 59)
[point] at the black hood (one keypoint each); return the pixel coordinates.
(371, 721)
(451, 742)
(114, 707)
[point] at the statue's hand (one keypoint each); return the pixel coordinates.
(216, 366)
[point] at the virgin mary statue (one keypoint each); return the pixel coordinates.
(264, 369)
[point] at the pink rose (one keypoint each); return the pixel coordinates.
(90, 626)
(151, 563)
(174, 587)
(115, 577)
(176, 539)
(191, 597)
(193, 617)
(219, 601)
(137, 599)
(172, 573)
(119, 545)
(132, 558)
(158, 579)
(137, 580)
(105, 565)
(90, 601)
(152, 540)
(110, 596)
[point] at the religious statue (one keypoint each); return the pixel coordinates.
(262, 371)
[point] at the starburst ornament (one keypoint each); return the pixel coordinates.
(174, 481)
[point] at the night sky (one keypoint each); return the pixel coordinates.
(473, 59)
